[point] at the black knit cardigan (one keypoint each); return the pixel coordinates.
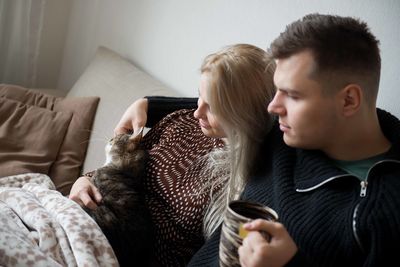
(333, 218)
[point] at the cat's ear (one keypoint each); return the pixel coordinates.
(137, 137)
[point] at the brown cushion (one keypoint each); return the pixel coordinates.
(69, 161)
(30, 137)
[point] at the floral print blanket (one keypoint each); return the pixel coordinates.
(41, 227)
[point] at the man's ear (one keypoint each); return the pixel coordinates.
(350, 98)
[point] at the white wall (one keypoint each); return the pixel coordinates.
(53, 37)
(169, 38)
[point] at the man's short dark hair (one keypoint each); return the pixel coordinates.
(344, 49)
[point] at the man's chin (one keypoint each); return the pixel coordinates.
(296, 143)
(290, 142)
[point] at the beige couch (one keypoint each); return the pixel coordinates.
(109, 78)
(118, 83)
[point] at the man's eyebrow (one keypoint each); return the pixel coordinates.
(284, 89)
(289, 91)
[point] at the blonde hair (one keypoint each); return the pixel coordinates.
(241, 86)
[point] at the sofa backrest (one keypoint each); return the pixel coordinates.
(118, 83)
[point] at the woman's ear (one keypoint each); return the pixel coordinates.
(350, 98)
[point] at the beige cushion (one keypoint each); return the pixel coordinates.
(70, 153)
(118, 83)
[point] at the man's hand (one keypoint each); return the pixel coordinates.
(256, 251)
(85, 193)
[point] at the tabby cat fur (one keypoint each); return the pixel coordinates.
(122, 213)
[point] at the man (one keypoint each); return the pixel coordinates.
(332, 161)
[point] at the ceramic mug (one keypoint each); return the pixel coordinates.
(238, 213)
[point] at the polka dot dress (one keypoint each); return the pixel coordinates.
(173, 185)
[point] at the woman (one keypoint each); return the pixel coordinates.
(236, 86)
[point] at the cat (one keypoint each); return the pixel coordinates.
(122, 213)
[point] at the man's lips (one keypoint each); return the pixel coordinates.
(283, 127)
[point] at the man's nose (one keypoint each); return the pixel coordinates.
(276, 106)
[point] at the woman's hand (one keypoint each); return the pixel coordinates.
(134, 118)
(85, 193)
(256, 251)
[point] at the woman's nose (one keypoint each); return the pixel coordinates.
(199, 113)
(196, 113)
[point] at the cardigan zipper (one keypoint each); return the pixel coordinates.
(354, 227)
(320, 184)
(364, 183)
(363, 193)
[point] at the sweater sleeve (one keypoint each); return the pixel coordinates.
(299, 259)
(208, 254)
(160, 106)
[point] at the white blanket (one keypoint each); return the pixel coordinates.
(40, 227)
